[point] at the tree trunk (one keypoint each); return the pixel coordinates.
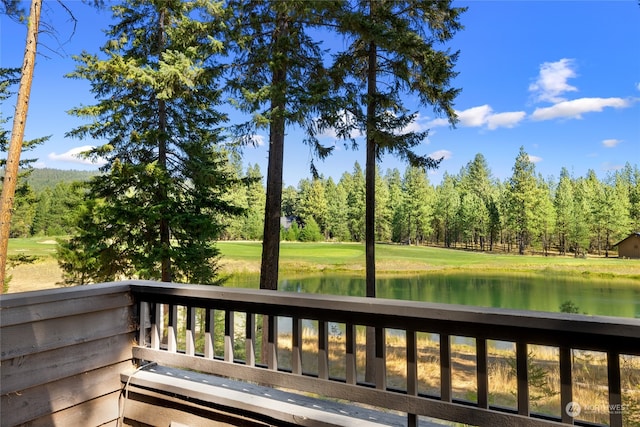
(17, 135)
(165, 233)
(370, 204)
(271, 239)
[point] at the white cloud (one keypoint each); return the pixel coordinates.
(257, 140)
(474, 116)
(575, 108)
(610, 143)
(534, 159)
(482, 116)
(441, 154)
(638, 85)
(505, 120)
(438, 123)
(75, 156)
(552, 81)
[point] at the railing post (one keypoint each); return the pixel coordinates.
(272, 343)
(412, 372)
(143, 323)
(381, 359)
(350, 343)
(482, 373)
(323, 350)
(228, 335)
(172, 341)
(522, 373)
(566, 384)
(615, 389)
(296, 346)
(156, 322)
(190, 340)
(250, 341)
(445, 368)
(209, 334)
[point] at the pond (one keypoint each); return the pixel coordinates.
(539, 292)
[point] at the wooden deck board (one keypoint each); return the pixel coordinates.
(276, 404)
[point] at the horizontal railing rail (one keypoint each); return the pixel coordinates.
(174, 317)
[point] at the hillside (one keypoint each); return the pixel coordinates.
(39, 179)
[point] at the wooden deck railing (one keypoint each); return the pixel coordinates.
(63, 350)
(168, 311)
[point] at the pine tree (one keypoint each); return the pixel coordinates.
(155, 212)
(522, 200)
(278, 77)
(337, 228)
(563, 203)
(392, 53)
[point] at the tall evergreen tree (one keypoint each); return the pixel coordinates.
(278, 77)
(337, 228)
(522, 200)
(563, 203)
(393, 52)
(154, 212)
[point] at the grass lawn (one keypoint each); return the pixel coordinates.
(244, 257)
(395, 259)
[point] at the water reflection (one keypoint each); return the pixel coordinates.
(539, 292)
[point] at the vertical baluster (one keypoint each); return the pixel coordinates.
(482, 373)
(523, 378)
(566, 383)
(156, 323)
(172, 343)
(350, 351)
(143, 323)
(228, 335)
(296, 346)
(323, 349)
(381, 359)
(250, 342)
(445, 368)
(190, 339)
(209, 333)
(272, 344)
(412, 372)
(615, 389)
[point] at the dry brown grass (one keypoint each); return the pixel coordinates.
(44, 273)
(589, 373)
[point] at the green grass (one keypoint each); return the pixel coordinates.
(392, 259)
(395, 259)
(40, 247)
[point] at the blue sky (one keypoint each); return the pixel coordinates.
(561, 78)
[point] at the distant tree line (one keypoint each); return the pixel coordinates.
(469, 210)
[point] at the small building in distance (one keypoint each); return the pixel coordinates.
(629, 247)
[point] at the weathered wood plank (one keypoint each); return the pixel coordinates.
(21, 340)
(566, 384)
(265, 403)
(37, 402)
(19, 299)
(62, 308)
(102, 411)
(353, 393)
(155, 409)
(522, 372)
(35, 369)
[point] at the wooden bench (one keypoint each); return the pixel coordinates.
(159, 396)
